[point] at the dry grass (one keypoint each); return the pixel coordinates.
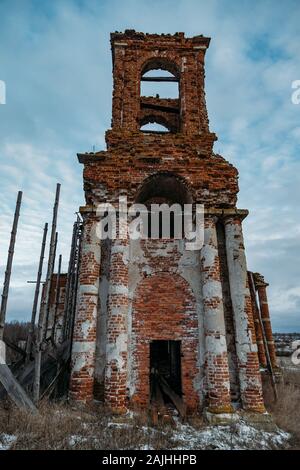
(286, 411)
(59, 426)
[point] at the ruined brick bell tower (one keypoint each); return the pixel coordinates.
(147, 305)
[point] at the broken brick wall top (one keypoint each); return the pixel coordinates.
(134, 54)
(185, 151)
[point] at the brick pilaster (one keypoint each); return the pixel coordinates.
(117, 328)
(216, 360)
(248, 364)
(84, 337)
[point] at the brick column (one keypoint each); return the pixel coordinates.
(216, 359)
(261, 286)
(246, 348)
(84, 336)
(117, 319)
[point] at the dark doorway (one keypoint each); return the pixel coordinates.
(165, 364)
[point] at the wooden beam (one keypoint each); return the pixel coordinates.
(178, 402)
(159, 79)
(14, 389)
(158, 107)
(14, 347)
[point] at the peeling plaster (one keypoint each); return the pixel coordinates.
(114, 351)
(118, 289)
(216, 346)
(91, 289)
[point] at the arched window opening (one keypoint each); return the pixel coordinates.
(154, 127)
(164, 196)
(157, 122)
(160, 93)
(159, 82)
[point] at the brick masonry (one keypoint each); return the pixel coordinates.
(133, 292)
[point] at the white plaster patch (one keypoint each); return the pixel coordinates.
(85, 327)
(118, 289)
(214, 320)
(83, 346)
(114, 351)
(118, 310)
(78, 362)
(91, 289)
(216, 345)
(208, 255)
(212, 289)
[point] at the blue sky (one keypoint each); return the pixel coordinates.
(55, 60)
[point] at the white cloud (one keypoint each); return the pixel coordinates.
(59, 102)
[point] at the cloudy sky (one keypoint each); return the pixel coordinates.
(55, 60)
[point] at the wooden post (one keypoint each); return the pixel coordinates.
(269, 363)
(57, 290)
(47, 307)
(69, 291)
(9, 265)
(45, 301)
(75, 274)
(36, 294)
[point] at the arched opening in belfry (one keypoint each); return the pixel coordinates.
(160, 97)
(159, 82)
(154, 125)
(165, 195)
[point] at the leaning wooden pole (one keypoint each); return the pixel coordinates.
(47, 307)
(45, 301)
(269, 362)
(36, 294)
(69, 283)
(76, 277)
(9, 265)
(57, 289)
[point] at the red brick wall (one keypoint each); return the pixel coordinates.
(135, 53)
(164, 309)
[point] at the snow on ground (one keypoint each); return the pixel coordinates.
(239, 436)
(6, 440)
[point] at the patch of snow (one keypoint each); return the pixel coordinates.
(240, 436)
(76, 439)
(6, 440)
(146, 447)
(118, 425)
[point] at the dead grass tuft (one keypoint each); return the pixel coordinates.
(286, 411)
